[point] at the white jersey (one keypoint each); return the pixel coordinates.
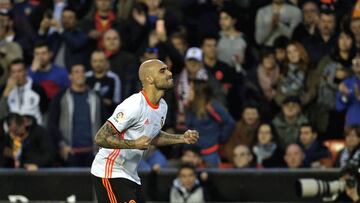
(134, 117)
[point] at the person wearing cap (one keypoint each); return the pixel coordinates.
(193, 70)
(289, 121)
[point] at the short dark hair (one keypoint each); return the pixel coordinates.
(191, 148)
(327, 9)
(76, 64)
(266, 51)
(309, 125)
(281, 42)
(16, 61)
(209, 37)
(14, 117)
(71, 9)
(187, 166)
(40, 44)
(354, 127)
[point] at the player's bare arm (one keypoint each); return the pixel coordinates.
(108, 137)
(164, 138)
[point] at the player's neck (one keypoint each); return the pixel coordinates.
(153, 95)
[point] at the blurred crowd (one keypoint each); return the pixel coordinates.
(267, 84)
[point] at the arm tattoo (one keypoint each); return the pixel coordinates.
(108, 137)
(165, 138)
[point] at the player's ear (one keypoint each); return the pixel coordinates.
(150, 79)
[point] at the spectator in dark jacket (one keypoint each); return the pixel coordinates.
(122, 63)
(75, 116)
(322, 42)
(311, 15)
(294, 156)
(266, 149)
(25, 145)
(352, 147)
(104, 82)
(68, 43)
(244, 132)
(210, 119)
(316, 154)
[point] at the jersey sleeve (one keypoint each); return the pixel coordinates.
(126, 114)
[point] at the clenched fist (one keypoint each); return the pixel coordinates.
(142, 142)
(191, 136)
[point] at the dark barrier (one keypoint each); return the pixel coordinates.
(226, 185)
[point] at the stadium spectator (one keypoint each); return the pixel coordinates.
(311, 16)
(232, 45)
(100, 20)
(20, 95)
(294, 156)
(201, 18)
(9, 51)
(104, 82)
(189, 155)
(15, 33)
(280, 44)
(278, 18)
(323, 40)
(316, 154)
(244, 132)
(68, 43)
(351, 152)
(75, 114)
(268, 74)
(289, 121)
(330, 72)
(266, 150)
(194, 70)
(186, 187)
(355, 29)
(206, 115)
(158, 14)
(25, 145)
(242, 157)
(293, 80)
(51, 77)
(178, 40)
(348, 96)
(221, 71)
(122, 62)
(262, 83)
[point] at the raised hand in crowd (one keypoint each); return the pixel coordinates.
(10, 84)
(139, 16)
(343, 89)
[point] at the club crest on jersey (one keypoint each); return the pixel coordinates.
(162, 121)
(119, 117)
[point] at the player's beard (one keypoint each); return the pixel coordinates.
(168, 84)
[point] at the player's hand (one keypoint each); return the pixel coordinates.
(191, 136)
(142, 142)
